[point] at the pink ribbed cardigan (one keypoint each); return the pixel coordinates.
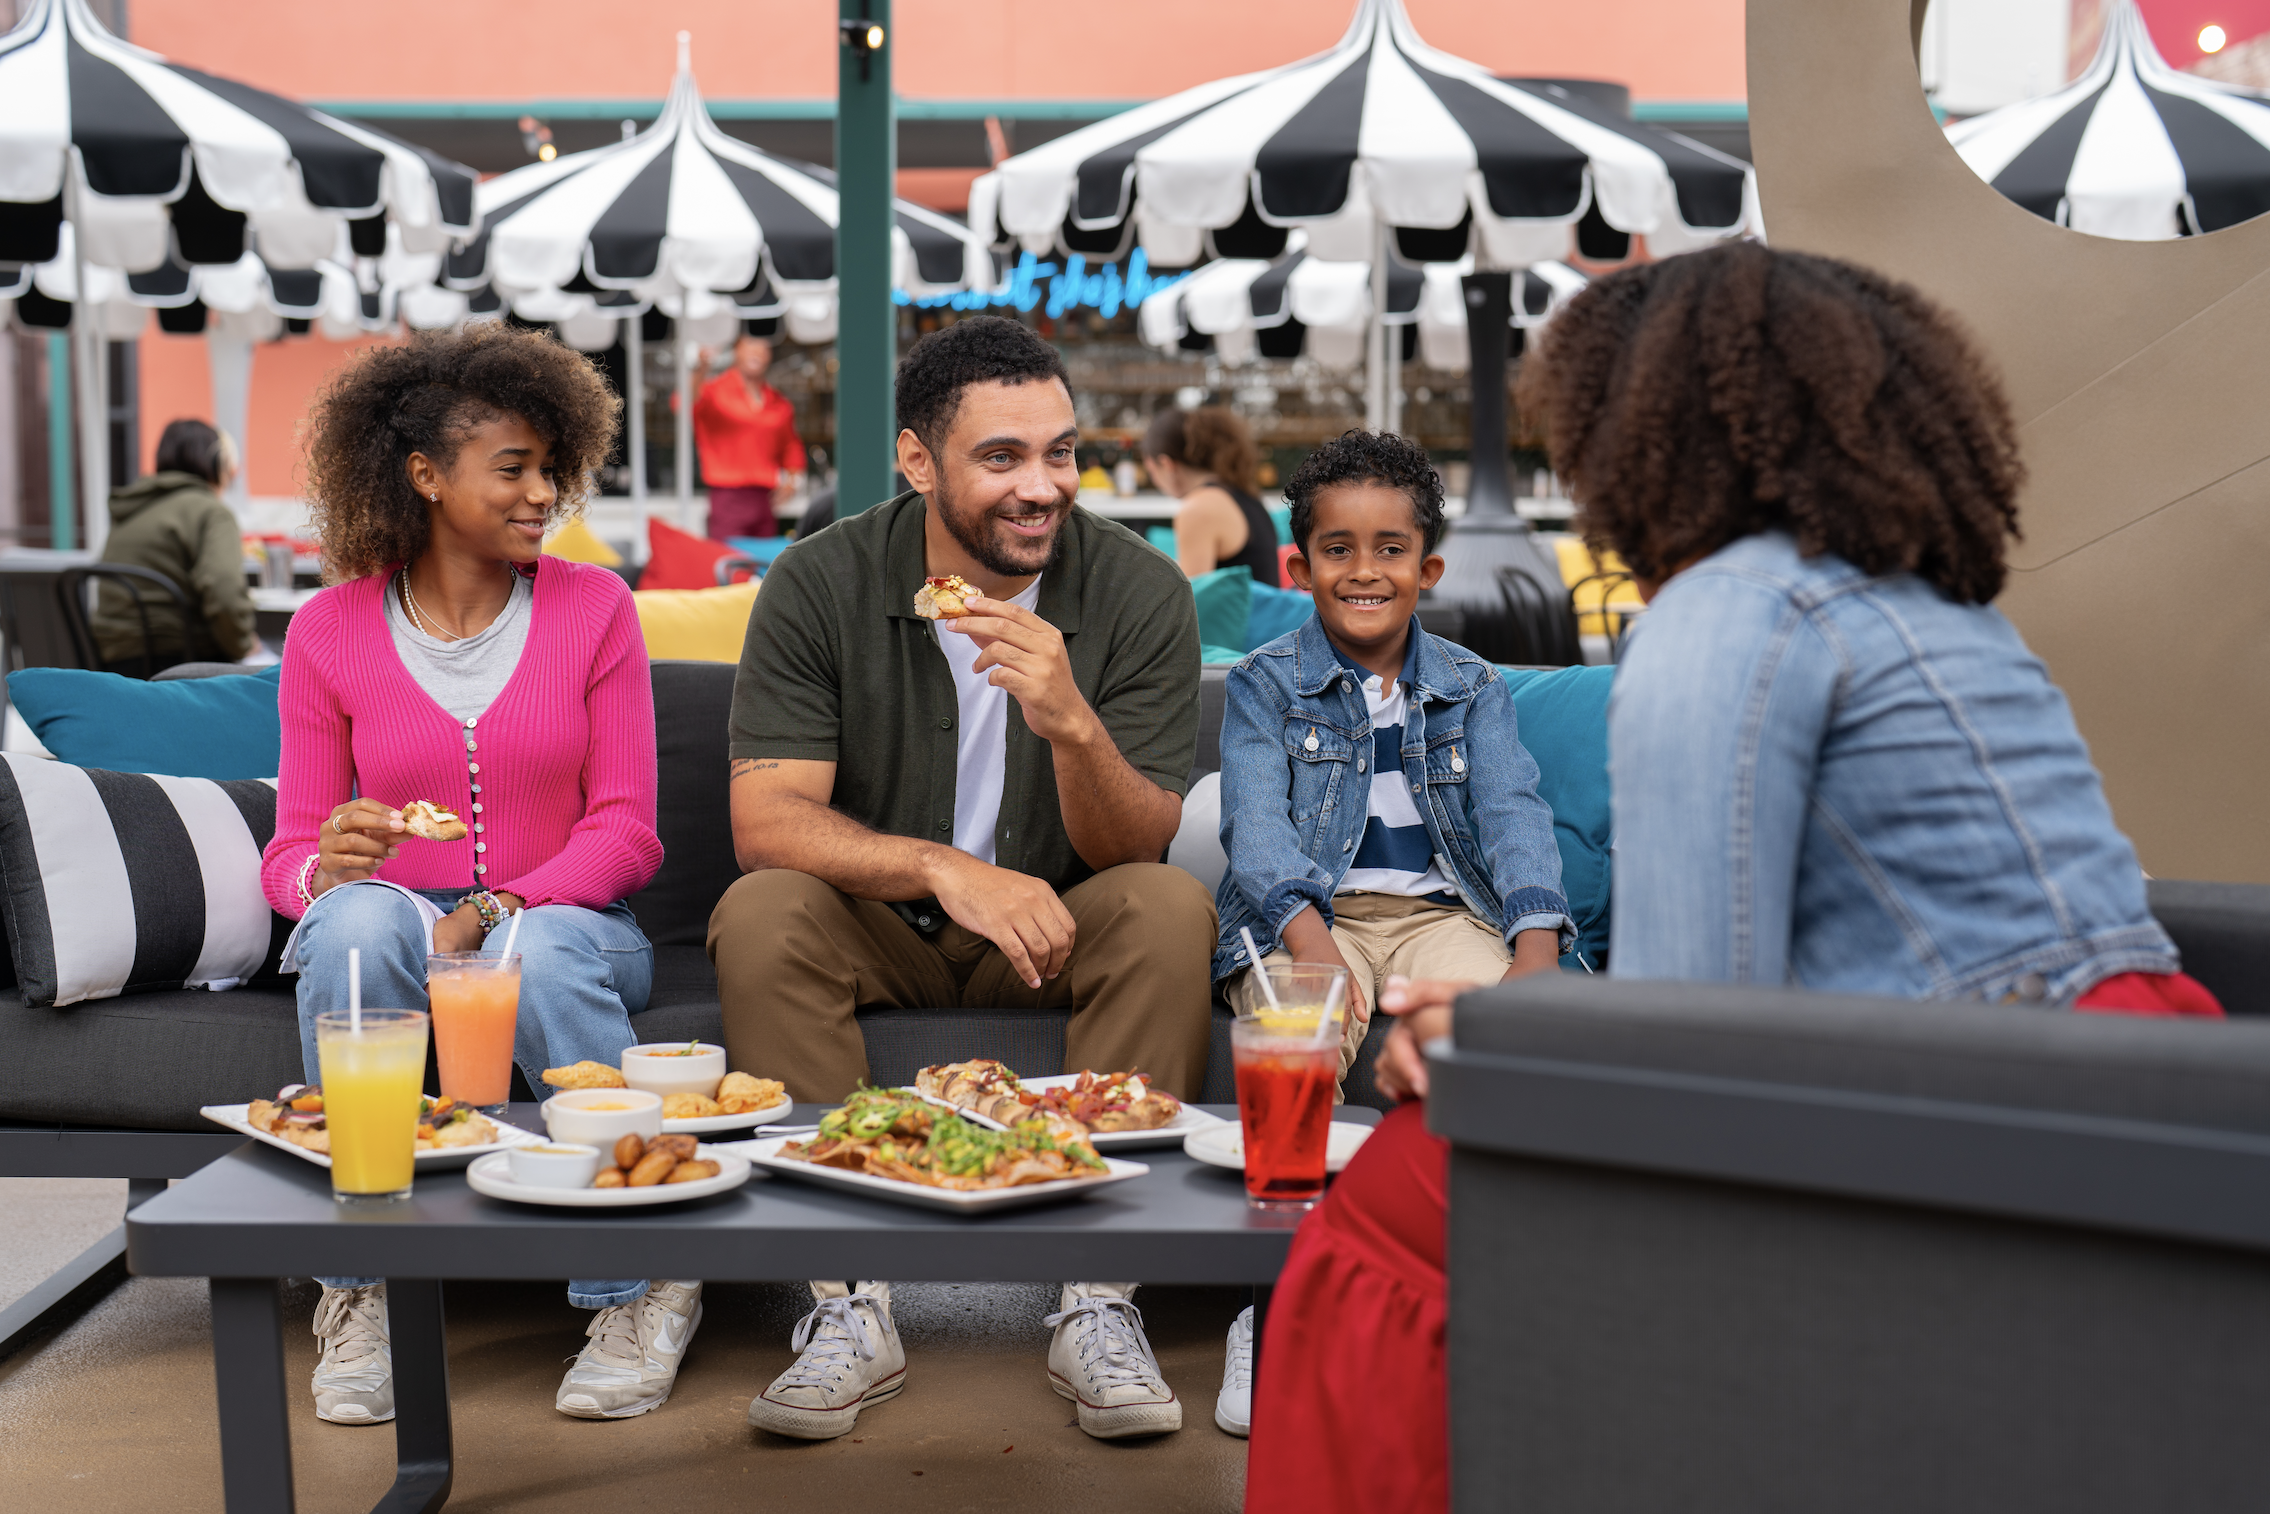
(566, 752)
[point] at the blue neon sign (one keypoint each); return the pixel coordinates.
(1032, 281)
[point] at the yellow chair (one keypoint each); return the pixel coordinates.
(700, 625)
(1597, 587)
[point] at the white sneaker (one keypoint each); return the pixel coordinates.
(354, 1380)
(1101, 1362)
(1233, 1406)
(851, 1357)
(634, 1354)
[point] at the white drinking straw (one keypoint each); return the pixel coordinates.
(355, 990)
(1246, 931)
(1331, 1003)
(512, 932)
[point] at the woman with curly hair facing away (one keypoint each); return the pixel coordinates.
(449, 662)
(1834, 763)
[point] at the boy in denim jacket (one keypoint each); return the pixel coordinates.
(1378, 809)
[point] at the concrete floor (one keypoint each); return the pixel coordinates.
(116, 1413)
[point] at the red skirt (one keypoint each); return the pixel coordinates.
(1350, 1403)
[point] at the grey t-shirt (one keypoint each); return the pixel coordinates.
(463, 677)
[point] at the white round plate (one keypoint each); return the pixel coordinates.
(492, 1175)
(1223, 1145)
(707, 1123)
(1172, 1133)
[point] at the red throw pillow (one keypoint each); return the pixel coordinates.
(681, 560)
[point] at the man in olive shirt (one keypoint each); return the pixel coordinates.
(967, 813)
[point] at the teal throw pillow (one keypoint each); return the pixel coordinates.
(1561, 715)
(220, 728)
(1223, 598)
(1273, 613)
(1214, 656)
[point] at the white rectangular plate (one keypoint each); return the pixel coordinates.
(766, 1154)
(704, 1124)
(1106, 1141)
(448, 1159)
(493, 1176)
(970, 1115)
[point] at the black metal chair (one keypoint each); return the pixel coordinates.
(44, 614)
(1616, 622)
(1540, 627)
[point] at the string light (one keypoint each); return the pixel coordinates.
(2212, 38)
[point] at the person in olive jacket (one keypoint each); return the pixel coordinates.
(174, 522)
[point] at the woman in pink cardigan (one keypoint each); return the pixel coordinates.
(450, 662)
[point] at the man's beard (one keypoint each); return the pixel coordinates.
(1019, 557)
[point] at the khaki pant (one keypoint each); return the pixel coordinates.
(1380, 934)
(795, 957)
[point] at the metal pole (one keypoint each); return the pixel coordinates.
(62, 484)
(93, 405)
(682, 348)
(867, 351)
(634, 347)
(1489, 312)
(1375, 352)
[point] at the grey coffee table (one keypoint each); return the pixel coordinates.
(259, 1215)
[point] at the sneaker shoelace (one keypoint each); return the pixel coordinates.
(617, 1333)
(1240, 1371)
(821, 1357)
(351, 1323)
(1112, 1349)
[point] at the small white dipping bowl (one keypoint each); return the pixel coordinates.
(557, 1166)
(653, 1069)
(602, 1116)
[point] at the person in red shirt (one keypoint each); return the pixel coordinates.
(746, 430)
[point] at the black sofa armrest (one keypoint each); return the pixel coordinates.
(2223, 931)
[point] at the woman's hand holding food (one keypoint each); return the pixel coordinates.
(359, 837)
(1422, 1013)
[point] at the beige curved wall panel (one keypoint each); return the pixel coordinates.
(2140, 375)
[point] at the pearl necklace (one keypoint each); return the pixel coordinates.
(410, 603)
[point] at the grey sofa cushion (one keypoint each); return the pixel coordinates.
(692, 701)
(2209, 1073)
(146, 1061)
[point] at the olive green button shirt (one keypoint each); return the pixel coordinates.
(838, 668)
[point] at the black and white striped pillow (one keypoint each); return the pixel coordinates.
(117, 883)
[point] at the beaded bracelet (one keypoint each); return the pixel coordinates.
(491, 909)
(307, 898)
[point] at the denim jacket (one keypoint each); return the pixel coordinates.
(1858, 785)
(1293, 808)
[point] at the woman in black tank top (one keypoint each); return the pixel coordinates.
(1206, 458)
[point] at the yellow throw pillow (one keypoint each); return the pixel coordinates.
(701, 625)
(575, 542)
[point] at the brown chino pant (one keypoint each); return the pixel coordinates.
(796, 956)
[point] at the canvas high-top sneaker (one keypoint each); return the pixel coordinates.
(851, 1358)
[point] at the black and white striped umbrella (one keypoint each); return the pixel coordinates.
(2131, 149)
(1300, 305)
(696, 222)
(1382, 131)
(152, 161)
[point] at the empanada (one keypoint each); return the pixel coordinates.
(689, 1106)
(585, 1074)
(425, 819)
(742, 1094)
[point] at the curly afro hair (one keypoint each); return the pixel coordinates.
(427, 396)
(1709, 397)
(1368, 457)
(983, 349)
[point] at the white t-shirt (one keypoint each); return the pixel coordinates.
(981, 756)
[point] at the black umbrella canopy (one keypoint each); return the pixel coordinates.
(683, 207)
(2131, 149)
(1382, 130)
(165, 161)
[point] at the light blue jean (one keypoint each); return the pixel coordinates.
(583, 974)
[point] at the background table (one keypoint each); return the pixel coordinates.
(259, 1215)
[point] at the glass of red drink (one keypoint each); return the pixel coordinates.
(475, 998)
(1287, 1053)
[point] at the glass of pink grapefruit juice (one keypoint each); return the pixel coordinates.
(475, 998)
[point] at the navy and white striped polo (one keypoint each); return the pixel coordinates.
(1394, 856)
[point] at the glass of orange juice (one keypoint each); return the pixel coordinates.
(475, 998)
(372, 1069)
